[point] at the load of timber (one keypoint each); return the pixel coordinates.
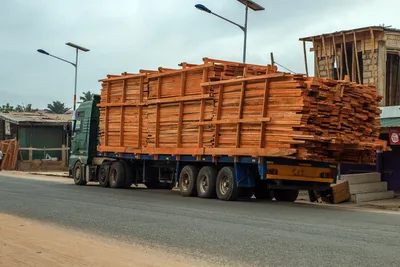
(222, 108)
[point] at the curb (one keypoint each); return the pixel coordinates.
(49, 174)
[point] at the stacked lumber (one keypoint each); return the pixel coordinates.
(10, 149)
(223, 108)
(130, 100)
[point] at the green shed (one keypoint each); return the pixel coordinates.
(37, 132)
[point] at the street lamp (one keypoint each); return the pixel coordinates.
(249, 4)
(77, 47)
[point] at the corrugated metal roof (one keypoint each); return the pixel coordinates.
(390, 112)
(390, 122)
(378, 28)
(36, 117)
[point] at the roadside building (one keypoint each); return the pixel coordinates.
(43, 138)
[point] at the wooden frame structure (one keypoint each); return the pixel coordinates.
(360, 54)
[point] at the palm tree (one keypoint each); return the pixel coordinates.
(57, 107)
(86, 96)
(27, 108)
(6, 108)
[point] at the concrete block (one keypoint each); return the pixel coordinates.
(392, 43)
(367, 62)
(368, 187)
(363, 197)
(360, 178)
(367, 74)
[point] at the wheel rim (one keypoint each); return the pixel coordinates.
(78, 173)
(102, 175)
(185, 182)
(204, 184)
(224, 185)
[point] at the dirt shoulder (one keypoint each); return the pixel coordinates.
(25, 242)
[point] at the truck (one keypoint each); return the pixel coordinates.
(110, 147)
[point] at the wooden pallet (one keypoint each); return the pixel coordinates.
(234, 109)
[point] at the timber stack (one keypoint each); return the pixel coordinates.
(222, 108)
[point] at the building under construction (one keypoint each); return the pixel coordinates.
(369, 55)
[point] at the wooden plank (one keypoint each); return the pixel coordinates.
(251, 151)
(356, 56)
(157, 132)
(326, 58)
(140, 113)
(336, 57)
(180, 116)
(177, 72)
(341, 77)
(218, 115)
(305, 56)
(202, 110)
(118, 78)
(254, 120)
(382, 72)
(192, 151)
(122, 117)
(373, 54)
(240, 113)
(345, 54)
(106, 120)
(316, 65)
(264, 112)
(249, 79)
(157, 101)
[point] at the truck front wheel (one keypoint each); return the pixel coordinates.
(286, 195)
(188, 181)
(78, 174)
(117, 175)
(226, 185)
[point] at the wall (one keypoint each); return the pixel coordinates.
(41, 137)
(392, 41)
(368, 62)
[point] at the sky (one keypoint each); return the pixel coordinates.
(129, 35)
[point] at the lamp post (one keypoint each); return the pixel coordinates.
(77, 47)
(249, 4)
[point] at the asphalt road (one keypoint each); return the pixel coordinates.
(236, 233)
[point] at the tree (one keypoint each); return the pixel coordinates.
(7, 108)
(86, 96)
(57, 107)
(27, 108)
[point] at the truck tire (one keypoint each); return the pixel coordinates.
(206, 182)
(78, 174)
(117, 175)
(130, 175)
(188, 181)
(103, 176)
(226, 185)
(286, 195)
